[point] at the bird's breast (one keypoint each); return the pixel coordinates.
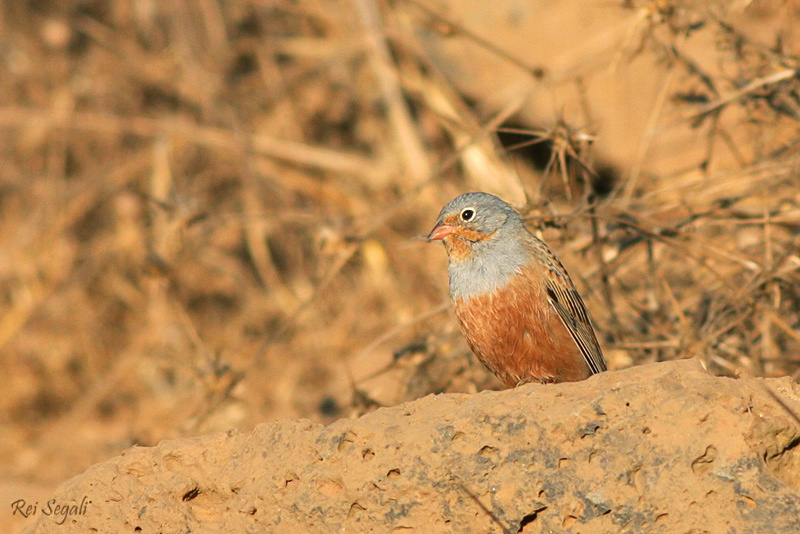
(517, 334)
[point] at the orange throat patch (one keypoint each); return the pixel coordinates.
(459, 243)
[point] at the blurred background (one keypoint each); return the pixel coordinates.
(212, 212)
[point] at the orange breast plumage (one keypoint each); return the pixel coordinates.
(518, 334)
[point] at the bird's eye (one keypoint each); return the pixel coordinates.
(467, 214)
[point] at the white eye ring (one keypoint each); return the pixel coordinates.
(467, 214)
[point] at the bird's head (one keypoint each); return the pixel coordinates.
(473, 220)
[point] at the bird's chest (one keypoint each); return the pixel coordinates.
(504, 310)
(514, 330)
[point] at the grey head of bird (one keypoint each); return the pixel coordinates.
(486, 243)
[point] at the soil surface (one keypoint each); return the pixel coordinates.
(658, 448)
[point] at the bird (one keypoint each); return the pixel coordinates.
(514, 300)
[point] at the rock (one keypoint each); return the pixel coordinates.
(657, 448)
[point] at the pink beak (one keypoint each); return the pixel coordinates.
(440, 231)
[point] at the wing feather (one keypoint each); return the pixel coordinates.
(572, 312)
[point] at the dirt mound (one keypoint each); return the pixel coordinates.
(658, 448)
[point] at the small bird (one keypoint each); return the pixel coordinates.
(515, 302)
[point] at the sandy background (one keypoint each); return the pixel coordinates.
(210, 212)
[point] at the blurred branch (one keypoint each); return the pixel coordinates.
(290, 151)
(411, 149)
(773, 78)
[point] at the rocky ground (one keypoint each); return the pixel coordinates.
(658, 448)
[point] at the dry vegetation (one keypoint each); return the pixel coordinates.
(210, 212)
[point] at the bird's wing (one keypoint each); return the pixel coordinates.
(572, 312)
